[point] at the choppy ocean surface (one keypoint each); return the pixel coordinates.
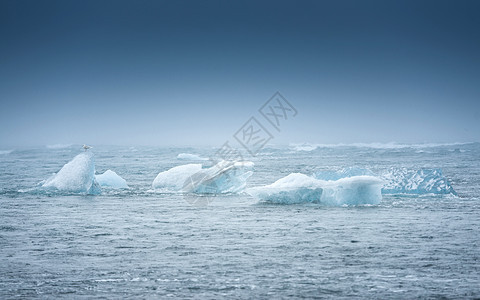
(137, 243)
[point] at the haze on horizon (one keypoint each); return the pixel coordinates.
(193, 72)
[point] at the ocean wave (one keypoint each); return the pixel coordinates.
(391, 145)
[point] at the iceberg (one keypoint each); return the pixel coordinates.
(224, 177)
(300, 188)
(423, 181)
(175, 177)
(111, 179)
(399, 181)
(189, 156)
(77, 176)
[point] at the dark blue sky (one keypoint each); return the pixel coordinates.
(192, 72)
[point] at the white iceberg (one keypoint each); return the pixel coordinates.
(224, 177)
(189, 156)
(175, 177)
(77, 176)
(111, 179)
(300, 188)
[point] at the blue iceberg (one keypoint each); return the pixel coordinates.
(399, 181)
(77, 176)
(110, 179)
(300, 188)
(423, 181)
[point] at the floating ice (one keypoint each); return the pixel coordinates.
(4, 152)
(175, 177)
(224, 177)
(424, 181)
(303, 147)
(399, 181)
(77, 176)
(300, 188)
(112, 180)
(59, 146)
(189, 156)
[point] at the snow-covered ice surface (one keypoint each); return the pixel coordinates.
(300, 188)
(133, 243)
(77, 176)
(399, 180)
(175, 178)
(110, 179)
(223, 177)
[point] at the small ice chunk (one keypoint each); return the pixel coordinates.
(189, 156)
(59, 146)
(77, 176)
(112, 180)
(4, 152)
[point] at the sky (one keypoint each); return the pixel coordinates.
(176, 73)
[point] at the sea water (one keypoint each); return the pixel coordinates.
(141, 243)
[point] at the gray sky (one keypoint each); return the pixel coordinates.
(193, 72)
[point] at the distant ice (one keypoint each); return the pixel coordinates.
(188, 156)
(304, 147)
(300, 188)
(59, 146)
(77, 176)
(5, 152)
(111, 179)
(224, 177)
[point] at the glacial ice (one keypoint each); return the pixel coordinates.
(77, 176)
(189, 156)
(4, 152)
(423, 181)
(224, 177)
(399, 181)
(112, 180)
(175, 177)
(300, 188)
